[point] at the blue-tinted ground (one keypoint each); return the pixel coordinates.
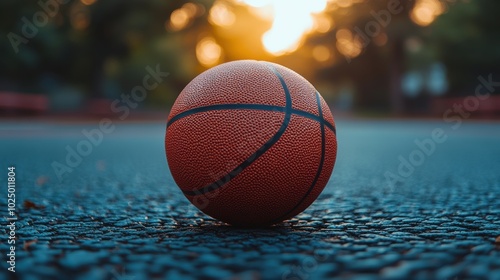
(119, 215)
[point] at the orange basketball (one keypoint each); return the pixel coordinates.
(250, 143)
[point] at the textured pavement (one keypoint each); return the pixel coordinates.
(119, 215)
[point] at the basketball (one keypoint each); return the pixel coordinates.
(250, 143)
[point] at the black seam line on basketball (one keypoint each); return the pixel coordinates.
(236, 171)
(319, 118)
(320, 167)
(260, 107)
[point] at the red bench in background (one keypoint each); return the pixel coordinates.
(488, 108)
(21, 102)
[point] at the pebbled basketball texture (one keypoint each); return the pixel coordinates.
(250, 143)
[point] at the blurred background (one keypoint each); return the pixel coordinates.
(368, 58)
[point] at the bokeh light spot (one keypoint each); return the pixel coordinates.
(322, 24)
(321, 53)
(191, 9)
(347, 44)
(426, 11)
(208, 52)
(221, 15)
(381, 40)
(179, 19)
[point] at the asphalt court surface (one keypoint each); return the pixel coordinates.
(119, 215)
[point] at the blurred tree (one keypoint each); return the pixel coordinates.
(466, 40)
(369, 38)
(102, 47)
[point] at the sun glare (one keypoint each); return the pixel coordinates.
(291, 21)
